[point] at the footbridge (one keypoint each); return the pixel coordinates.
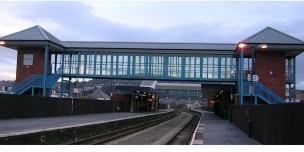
(43, 60)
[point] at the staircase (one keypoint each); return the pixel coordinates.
(36, 81)
(263, 92)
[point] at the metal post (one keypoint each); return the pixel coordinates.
(251, 74)
(62, 68)
(33, 91)
(294, 80)
(95, 58)
(251, 93)
(289, 91)
(241, 77)
(183, 67)
(129, 66)
(55, 66)
(46, 55)
(69, 91)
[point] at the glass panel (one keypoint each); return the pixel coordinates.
(120, 65)
(192, 67)
(98, 64)
(156, 66)
(175, 92)
(106, 65)
(192, 92)
(138, 66)
(89, 64)
(174, 67)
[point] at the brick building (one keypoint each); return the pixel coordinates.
(268, 55)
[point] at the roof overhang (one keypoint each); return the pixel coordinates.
(153, 51)
(290, 50)
(179, 86)
(138, 88)
(15, 44)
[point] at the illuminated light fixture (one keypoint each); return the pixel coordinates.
(212, 101)
(242, 45)
(2, 43)
(263, 46)
(231, 72)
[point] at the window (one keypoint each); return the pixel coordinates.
(192, 67)
(174, 67)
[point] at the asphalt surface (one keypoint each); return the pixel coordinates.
(218, 131)
(12, 126)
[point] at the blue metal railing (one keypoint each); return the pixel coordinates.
(36, 81)
(263, 92)
(56, 76)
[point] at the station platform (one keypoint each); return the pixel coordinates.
(214, 130)
(23, 126)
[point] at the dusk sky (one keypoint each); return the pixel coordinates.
(155, 21)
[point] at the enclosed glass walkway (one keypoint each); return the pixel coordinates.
(146, 66)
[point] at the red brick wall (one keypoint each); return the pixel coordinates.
(38, 63)
(120, 97)
(267, 62)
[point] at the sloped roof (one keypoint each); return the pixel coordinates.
(149, 45)
(35, 33)
(272, 36)
(99, 94)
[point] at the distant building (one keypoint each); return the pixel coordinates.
(299, 95)
(196, 105)
(99, 95)
(6, 86)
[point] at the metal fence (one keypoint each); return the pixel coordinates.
(277, 124)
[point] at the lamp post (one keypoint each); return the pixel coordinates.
(262, 46)
(243, 45)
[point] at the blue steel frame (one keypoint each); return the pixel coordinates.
(162, 61)
(46, 55)
(241, 80)
(294, 80)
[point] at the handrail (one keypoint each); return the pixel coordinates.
(265, 93)
(37, 80)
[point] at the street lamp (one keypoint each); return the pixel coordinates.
(252, 47)
(2, 43)
(262, 46)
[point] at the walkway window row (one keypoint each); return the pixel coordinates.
(180, 66)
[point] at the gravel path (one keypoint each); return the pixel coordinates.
(156, 135)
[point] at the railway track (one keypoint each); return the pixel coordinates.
(185, 135)
(174, 130)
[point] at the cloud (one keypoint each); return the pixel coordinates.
(211, 22)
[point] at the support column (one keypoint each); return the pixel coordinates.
(61, 87)
(165, 66)
(62, 70)
(201, 67)
(33, 91)
(148, 72)
(183, 67)
(294, 80)
(69, 90)
(129, 66)
(46, 55)
(242, 77)
(55, 66)
(289, 92)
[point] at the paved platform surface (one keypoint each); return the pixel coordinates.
(218, 131)
(31, 124)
